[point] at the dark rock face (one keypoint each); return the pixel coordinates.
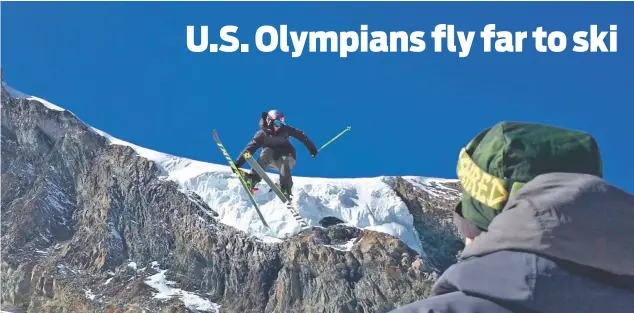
(89, 227)
(433, 219)
(330, 221)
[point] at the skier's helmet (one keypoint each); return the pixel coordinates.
(275, 117)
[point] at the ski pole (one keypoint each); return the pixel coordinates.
(333, 139)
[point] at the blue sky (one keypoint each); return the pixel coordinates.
(125, 69)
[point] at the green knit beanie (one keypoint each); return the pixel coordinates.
(502, 158)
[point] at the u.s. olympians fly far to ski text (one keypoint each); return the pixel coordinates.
(443, 38)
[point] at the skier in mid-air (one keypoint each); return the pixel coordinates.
(278, 153)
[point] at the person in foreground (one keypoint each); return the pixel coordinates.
(278, 152)
(545, 233)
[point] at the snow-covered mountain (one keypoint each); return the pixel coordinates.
(103, 215)
(366, 203)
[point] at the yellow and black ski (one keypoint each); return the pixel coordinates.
(287, 203)
(239, 174)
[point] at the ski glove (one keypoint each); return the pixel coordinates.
(313, 153)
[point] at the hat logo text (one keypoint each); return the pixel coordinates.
(482, 186)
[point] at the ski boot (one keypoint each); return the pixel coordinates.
(286, 192)
(248, 180)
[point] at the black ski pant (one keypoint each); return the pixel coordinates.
(281, 163)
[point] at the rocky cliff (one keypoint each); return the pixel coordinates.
(90, 226)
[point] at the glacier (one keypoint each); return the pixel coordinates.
(367, 203)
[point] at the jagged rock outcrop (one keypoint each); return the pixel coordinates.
(433, 219)
(90, 227)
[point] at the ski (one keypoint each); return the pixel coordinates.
(238, 173)
(289, 206)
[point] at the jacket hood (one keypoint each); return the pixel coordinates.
(578, 218)
(262, 123)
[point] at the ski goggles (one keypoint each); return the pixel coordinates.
(278, 123)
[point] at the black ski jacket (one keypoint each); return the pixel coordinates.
(279, 141)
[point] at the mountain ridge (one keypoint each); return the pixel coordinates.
(78, 211)
(188, 173)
